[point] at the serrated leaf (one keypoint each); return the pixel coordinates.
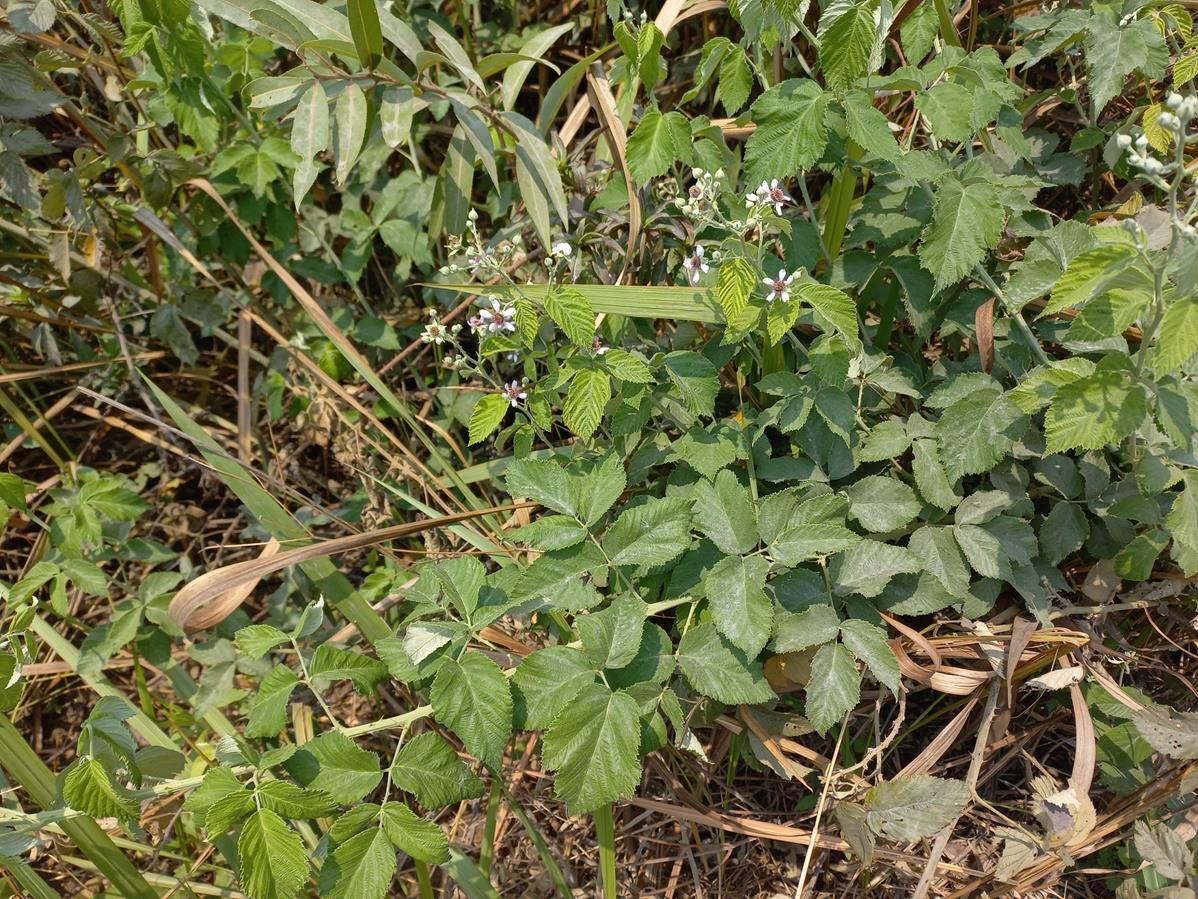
(420, 838)
(472, 698)
(695, 378)
(977, 431)
(588, 395)
(982, 549)
(735, 588)
(335, 764)
(1114, 49)
(487, 415)
(966, 223)
(948, 107)
(274, 864)
(1160, 845)
(547, 680)
(930, 477)
(256, 640)
(544, 481)
(725, 513)
(868, 126)
(868, 643)
(914, 806)
(429, 769)
(813, 626)
(736, 80)
(837, 308)
(90, 789)
(332, 663)
(1063, 532)
(573, 313)
(938, 553)
(735, 281)
(549, 577)
(717, 668)
(792, 130)
(815, 528)
(846, 44)
(611, 637)
(292, 801)
(656, 143)
(1177, 337)
(867, 567)
(882, 504)
(887, 440)
(834, 688)
(1173, 733)
(362, 867)
(1089, 413)
(592, 747)
(652, 533)
(268, 711)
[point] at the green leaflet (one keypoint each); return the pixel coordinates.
(592, 747)
(471, 697)
(274, 863)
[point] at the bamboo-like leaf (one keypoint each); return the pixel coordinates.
(366, 30)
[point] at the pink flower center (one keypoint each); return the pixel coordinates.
(777, 195)
(779, 285)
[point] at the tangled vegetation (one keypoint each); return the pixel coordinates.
(562, 449)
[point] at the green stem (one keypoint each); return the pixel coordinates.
(487, 851)
(426, 883)
(605, 833)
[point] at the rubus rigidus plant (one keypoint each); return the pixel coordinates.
(867, 374)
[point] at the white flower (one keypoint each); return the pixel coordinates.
(434, 332)
(751, 199)
(772, 192)
(515, 392)
(561, 249)
(597, 346)
(695, 265)
(779, 287)
(498, 318)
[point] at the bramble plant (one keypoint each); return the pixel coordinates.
(733, 444)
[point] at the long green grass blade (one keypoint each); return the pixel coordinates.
(696, 304)
(469, 879)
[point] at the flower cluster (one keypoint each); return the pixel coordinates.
(700, 200)
(438, 333)
(479, 257)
